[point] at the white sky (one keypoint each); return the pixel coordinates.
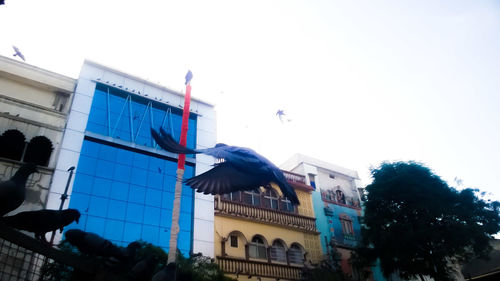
(362, 81)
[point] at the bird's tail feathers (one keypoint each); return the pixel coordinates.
(167, 142)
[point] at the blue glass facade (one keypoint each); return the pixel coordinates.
(126, 193)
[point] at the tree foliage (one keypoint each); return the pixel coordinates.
(415, 224)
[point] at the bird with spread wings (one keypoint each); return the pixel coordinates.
(238, 169)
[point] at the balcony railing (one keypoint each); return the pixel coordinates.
(346, 201)
(257, 268)
(294, 177)
(226, 207)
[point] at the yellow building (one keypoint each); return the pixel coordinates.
(259, 235)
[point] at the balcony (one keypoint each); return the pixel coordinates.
(257, 268)
(346, 201)
(224, 207)
(294, 178)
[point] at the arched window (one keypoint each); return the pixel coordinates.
(252, 197)
(286, 205)
(295, 254)
(340, 196)
(12, 144)
(278, 252)
(271, 199)
(38, 151)
(257, 248)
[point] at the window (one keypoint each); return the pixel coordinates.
(287, 205)
(295, 254)
(312, 180)
(257, 248)
(12, 144)
(38, 151)
(346, 223)
(252, 197)
(233, 196)
(271, 199)
(234, 241)
(278, 252)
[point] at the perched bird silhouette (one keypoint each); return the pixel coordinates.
(18, 53)
(238, 169)
(42, 221)
(167, 273)
(189, 76)
(94, 245)
(13, 191)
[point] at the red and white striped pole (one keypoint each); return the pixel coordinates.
(174, 229)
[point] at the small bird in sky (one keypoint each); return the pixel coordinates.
(13, 191)
(18, 53)
(237, 169)
(281, 114)
(42, 221)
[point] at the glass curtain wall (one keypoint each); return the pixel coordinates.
(122, 188)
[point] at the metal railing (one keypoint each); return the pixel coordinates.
(258, 268)
(225, 207)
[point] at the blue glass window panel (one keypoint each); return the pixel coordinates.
(99, 99)
(79, 201)
(83, 183)
(155, 180)
(119, 190)
(140, 160)
(169, 183)
(156, 164)
(186, 204)
(139, 176)
(152, 216)
(98, 206)
(135, 212)
(137, 194)
(141, 140)
(170, 167)
(99, 116)
(108, 153)
(150, 234)
(122, 172)
(96, 128)
(186, 190)
(125, 157)
(185, 222)
(114, 229)
(167, 200)
(86, 165)
(166, 218)
(184, 242)
(132, 232)
(95, 225)
(90, 148)
(101, 187)
(153, 197)
(105, 169)
(164, 238)
(117, 209)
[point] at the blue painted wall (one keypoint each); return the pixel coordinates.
(124, 193)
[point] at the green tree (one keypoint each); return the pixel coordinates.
(416, 225)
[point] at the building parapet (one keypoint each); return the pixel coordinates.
(257, 268)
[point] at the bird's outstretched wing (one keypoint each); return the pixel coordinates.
(222, 179)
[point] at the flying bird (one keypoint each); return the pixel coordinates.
(13, 191)
(18, 53)
(281, 113)
(94, 245)
(236, 169)
(42, 221)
